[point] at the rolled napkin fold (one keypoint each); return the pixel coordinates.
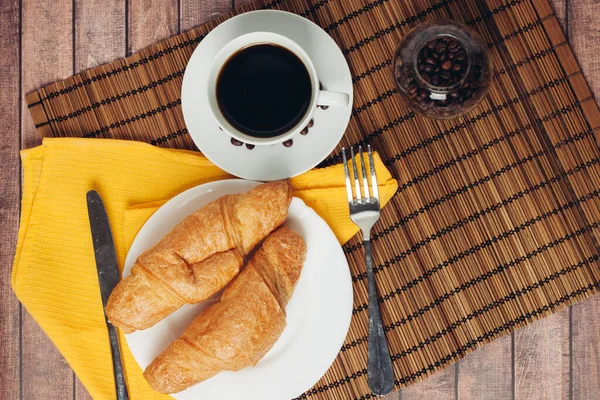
(54, 273)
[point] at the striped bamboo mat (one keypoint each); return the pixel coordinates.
(496, 220)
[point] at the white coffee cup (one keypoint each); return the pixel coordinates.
(318, 97)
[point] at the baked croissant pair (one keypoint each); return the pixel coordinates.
(197, 258)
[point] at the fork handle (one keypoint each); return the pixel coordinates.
(380, 374)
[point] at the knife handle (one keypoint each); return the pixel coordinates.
(117, 365)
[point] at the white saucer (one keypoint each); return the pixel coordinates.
(273, 162)
(318, 314)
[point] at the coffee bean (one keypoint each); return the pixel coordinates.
(304, 131)
(236, 142)
(288, 143)
(441, 62)
(250, 146)
(324, 107)
(311, 123)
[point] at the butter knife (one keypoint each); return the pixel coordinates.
(108, 277)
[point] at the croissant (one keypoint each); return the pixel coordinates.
(198, 257)
(237, 331)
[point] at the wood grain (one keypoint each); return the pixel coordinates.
(99, 32)
(560, 9)
(239, 3)
(486, 374)
(47, 55)
(542, 359)
(584, 37)
(197, 12)
(151, 21)
(9, 197)
(440, 386)
(586, 349)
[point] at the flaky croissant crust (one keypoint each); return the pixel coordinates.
(198, 257)
(242, 327)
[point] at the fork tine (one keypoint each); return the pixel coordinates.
(364, 173)
(356, 182)
(348, 184)
(374, 185)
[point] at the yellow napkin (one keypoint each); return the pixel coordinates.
(54, 273)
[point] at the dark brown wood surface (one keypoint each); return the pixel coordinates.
(42, 41)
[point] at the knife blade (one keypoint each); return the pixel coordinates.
(108, 277)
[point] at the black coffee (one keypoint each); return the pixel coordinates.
(263, 90)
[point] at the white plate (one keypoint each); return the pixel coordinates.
(272, 162)
(318, 314)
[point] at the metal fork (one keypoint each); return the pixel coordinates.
(364, 212)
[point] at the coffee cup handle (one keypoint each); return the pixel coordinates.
(335, 99)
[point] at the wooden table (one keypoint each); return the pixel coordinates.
(43, 41)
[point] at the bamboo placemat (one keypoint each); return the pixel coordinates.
(496, 220)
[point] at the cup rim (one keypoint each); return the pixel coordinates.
(262, 37)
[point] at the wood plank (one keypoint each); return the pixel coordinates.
(586, 349)
(542, 359)
(100, 37)
(151, 21)
(197, 12)
(560, 9)
(9, 197)
(584, 36)
(486, 374)
(47, 55)
(439, 386)
(239, 3)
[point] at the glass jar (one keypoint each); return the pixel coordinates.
(443, 69)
